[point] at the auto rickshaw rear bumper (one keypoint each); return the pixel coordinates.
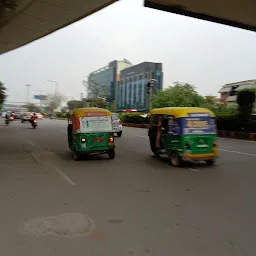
(201, 157)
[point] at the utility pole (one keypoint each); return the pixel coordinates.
(150, 86)
(56, 85)
(28, 92)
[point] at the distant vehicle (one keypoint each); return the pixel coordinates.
(39, 116)
(17, 115)
(52, 117)
(26, 117)
(3, 114)
(117, 124)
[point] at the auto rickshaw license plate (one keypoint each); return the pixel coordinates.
(97, 139)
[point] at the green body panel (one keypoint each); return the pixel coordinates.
(199, 144)
(92, 144)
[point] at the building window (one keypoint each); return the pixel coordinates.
(134, 95)
(147, 75)
(142, 94)
(152, 74)
(131, 95)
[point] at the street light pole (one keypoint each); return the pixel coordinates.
(28, 92)
(150, 93)
(56, 85)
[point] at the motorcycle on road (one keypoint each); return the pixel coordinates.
(34, 123)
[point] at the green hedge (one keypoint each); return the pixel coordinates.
(224, 123)
(134, 118)
(235, 124)
(61, 115)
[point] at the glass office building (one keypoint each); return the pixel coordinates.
(103, 82)
(132, 87)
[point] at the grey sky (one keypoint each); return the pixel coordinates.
(205, 54)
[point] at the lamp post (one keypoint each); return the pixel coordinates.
(28, 92)
(56, 85)
(151, 84)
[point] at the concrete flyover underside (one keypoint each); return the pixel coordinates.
(30, 20)
(24, 21)
(238, 13)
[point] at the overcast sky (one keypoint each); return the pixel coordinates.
(204, 54)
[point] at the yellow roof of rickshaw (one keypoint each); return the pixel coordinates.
(180, 111)
(80, 112)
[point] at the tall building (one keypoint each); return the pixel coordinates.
(132, 87)
(103, 82)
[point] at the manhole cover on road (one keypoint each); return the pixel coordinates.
(65, 225)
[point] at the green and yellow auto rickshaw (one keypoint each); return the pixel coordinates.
(183, 133)
(90, 132)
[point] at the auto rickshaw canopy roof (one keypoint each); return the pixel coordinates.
(180, 111)
(83, 112)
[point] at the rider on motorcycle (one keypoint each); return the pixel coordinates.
(33, 117)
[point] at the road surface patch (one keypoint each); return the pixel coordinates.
(115, 221)
(69, 225)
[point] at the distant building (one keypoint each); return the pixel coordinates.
(228, 92)
(132, 87)
(103, 82)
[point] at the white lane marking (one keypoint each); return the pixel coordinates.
(31, 143)
(237, 152)
(68, 180)
(141, 136)
(249, 141)
(225, 150)
(193, 170)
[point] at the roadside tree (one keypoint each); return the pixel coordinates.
(245, 101)
(178, 95)
(54, 101)
(3, 95)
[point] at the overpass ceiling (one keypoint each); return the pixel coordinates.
(237, 13)
(30, 20)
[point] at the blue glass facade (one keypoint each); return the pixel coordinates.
(103, 82)
(132, 88)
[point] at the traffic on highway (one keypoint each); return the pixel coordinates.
(135, 204)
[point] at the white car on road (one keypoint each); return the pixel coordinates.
(39, 116)
(26, 117)
(117, 124)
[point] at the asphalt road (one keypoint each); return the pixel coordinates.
(133, 205)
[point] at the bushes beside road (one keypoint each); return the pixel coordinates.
(224, 123)
(61, 115)
(134, 118)
(228, 126)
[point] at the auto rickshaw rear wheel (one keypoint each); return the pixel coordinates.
(111, 154)
(76, 156)
(176, 160)
(210, 162)
(119, 134)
